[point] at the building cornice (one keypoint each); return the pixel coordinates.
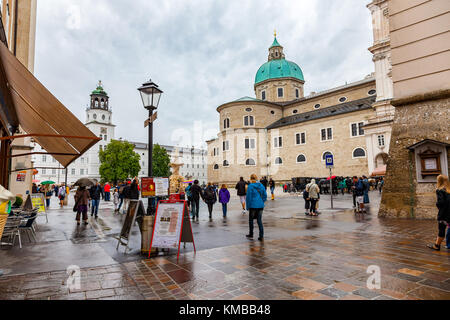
(434, 95)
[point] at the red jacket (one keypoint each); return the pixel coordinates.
(107, 187)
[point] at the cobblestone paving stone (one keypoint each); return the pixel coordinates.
(304, 268)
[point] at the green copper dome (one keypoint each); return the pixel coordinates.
(99, 89)
(278, 68)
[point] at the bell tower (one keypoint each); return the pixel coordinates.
(275, 50)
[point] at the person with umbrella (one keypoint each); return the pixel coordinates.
(81, 204)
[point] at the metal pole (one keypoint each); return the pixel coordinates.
(150, 155)
(331, 190)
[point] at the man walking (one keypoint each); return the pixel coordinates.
(241, 192)
(107, 192)
(95, 193)
(196, 193)
(255, 198)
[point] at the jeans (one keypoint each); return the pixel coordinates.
(224, 209)
(47, 202)
(120, 204)
(272, 189)
(447, 239)
(354, 199)
(257, 213)
(195, 207)
(210, 209)
(94, 207)
(107, 196)
(312, 206)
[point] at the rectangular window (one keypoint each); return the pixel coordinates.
(249, 121)
(280, 92)
(73, 171)
(44, 158)
(300, 138)
(326, 134)
(249, 143)
(278, 142)
(297, 94)
(226, 145)
(105, 137)
(263, 95)
(82, 171)
(381, 140)
(82, 160)
(86, 171)
(53, 171)
(44, 171)
(360, 128)
(357, 129)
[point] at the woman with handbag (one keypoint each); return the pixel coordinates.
(443, 205)
(81, 204)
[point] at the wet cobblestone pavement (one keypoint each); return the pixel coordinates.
(308, 267)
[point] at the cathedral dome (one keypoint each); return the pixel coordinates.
(278, 68)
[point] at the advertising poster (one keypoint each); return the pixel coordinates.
(167, 228)
(38, 201)
(152, 187)
(147, 187)
(21, 177)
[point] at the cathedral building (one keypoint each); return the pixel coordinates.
(282, 134)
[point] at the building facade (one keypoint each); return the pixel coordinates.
(283, 135)
(420, 53)
(19, 23)
(100, 121)
(379, 127)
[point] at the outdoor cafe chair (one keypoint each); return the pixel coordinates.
(28, 226)
(12, 230)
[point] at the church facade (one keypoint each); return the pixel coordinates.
(282, 134)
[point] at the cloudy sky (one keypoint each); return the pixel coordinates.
(201, 53)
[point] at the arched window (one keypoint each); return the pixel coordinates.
(226, 163)
(216, 167)
(278, 160)
(250, 162)
(249, 121)
(359, 153)
(102, 103)
(96, 102)
(226, 123)
(324, 154)
(301, 158)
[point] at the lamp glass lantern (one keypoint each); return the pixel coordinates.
(150, 94)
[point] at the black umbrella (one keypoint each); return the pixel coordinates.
(84, 182)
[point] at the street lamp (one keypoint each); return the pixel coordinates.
(150, 95)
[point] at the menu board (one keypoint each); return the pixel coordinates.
(38, 201)
(168, 223)
(151, 187)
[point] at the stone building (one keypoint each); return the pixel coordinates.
(19, 23)
(99, 121)
(283, 134)
(378, 128)
(420, 53)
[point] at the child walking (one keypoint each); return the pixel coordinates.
(224, 198)
(116, 200)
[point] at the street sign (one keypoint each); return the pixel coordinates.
(329, 162)
(151, 119)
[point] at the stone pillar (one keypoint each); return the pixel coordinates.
(417, 118)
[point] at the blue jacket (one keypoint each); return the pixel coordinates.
(256, 196)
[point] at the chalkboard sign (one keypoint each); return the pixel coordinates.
(135, 209)
(172, 225)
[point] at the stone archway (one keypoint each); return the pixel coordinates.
(381, 159)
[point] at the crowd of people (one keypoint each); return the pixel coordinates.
(252, 196)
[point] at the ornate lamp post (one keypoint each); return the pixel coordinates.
(150, 94)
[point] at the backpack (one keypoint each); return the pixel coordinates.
(209, 193)
(360, 186)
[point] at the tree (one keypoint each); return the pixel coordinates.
(161, 161)
(118, 161)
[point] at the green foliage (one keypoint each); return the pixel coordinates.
(18, 202)
(161, 161)
(118, 161)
